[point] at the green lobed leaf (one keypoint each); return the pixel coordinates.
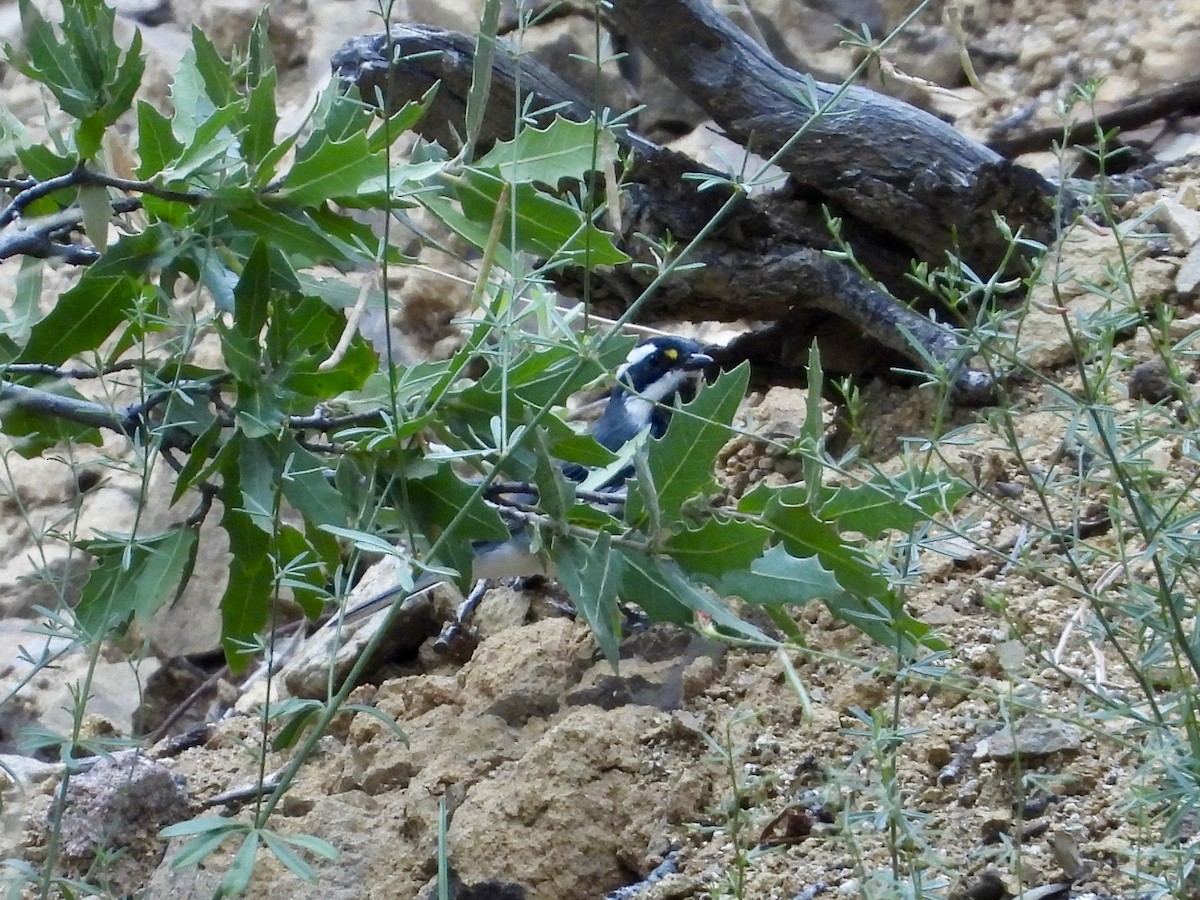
(209, 151)
(307, 241)
(591, 574)
(242, 356)
(252, 296)
(301, 338)
(197, 459)
(52, 62)
(258, 128)
(785, 511)
(534, 375)
(128, 79)
(157, 147)
(556, 495)
(246, 603)
(573, 446)
(106, 294)
(189, 98)
(868, 601)
(306, 486)
(777, 577)
(434, 501)
(662, 589)
(94, 205)
(681, 463)
(337, 116)
(258, 134)
(132, 578)
(542, 225)
(257, 463)
(25, 305)
(563, 149)
(357, 235)
(389, 129)
(333, 170)
(514, 387)
(893, 502)
(885, 623)
(215, 73)
(14, 137)
(718, 546)
(81, 64)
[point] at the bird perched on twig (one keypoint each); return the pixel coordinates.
(654, 374)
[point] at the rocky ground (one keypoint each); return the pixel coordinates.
(563, 781)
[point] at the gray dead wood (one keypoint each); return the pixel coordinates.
(903, 182)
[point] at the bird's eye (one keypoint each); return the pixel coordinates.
(671, 353)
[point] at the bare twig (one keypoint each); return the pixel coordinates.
(49, 371)
(82, 412)
(81, 176)
(44, 237)
(1180, 99)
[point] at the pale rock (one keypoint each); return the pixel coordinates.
(1188, 275)
(1034, 735)
(116, 691)
(1037, 45)
(1182, 223)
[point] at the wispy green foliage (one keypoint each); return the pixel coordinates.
(132, 578)
(312, 448)
(247, 213)
(92, 79)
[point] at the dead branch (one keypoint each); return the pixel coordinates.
(1182, 99)
(904, 184)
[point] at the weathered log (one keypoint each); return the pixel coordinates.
(870, 156)
(765, 262)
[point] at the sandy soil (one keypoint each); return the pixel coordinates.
(563, 781)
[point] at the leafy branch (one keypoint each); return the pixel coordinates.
(248, 218)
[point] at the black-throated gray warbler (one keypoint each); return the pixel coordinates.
(654, 374)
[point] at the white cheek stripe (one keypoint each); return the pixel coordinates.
(665, 386)
(636, 355)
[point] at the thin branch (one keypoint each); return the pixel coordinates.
(17, 184)
(82, 412)
(144, 187)
(36, 238)
(48, 371)
(36, 192)
(130, 421)
(323, 422)
(44, 237)
(81, 176)
(1180, 99)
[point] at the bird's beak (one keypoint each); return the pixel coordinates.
(697, 361)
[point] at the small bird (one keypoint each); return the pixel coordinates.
(654, 374)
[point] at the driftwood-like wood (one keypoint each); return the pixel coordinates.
(1182, 99)
(904, 183)
(876, 158)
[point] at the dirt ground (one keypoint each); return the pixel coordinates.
(562, 781)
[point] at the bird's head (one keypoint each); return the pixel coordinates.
(653, 375)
